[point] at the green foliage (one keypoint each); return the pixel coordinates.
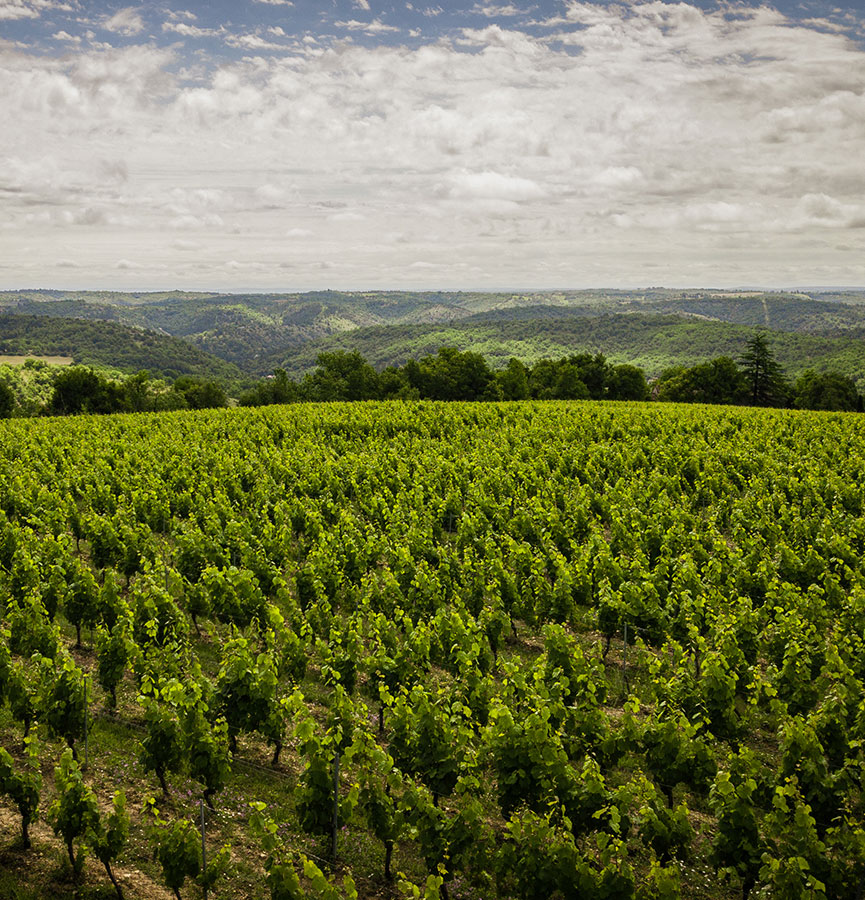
(431, 889)
(425, 741)
(5, 666)
(233, 595)
(530, 763)
(718, 687)
(62, 701)
(737, 846)
(81, 605)
(340, 660)
(30, 384)
(22, 787)
(246, 688)
(162, 745)
(342, 376)
(675, 754)
(254, 331)
(207, 752)
(108, 345)
(662, 883)
(30, 629)
(581, 679)
(21, 691)
(539, 859)
(446, 841)
(283, 867)
(108, 837)
(668, 832)
(803, 757)
(315, 793)
(626, 382)
(826, 390)
(74, 811)
(113, 650)
(157, 620)
(654, 342)
(278, 388)
(80, 390)
(513, 380)
(716, 381)
(199, 393)
(8, 400)
(177, 847)
(762, 372)
(293, 655)
(795, 856)
(443, 362)
(451, 375)
(453, 564)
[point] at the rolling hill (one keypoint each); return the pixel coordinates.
(111, 345)
(653, 342)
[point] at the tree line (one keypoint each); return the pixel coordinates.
(754, 379)
(454, 375)
(80, 389)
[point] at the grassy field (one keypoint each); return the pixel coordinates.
(6, 360)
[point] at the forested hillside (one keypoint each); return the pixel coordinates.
(653, 343)
(110, 345)
(260, 331)
(240, 328)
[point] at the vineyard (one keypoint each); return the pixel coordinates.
(462, 651)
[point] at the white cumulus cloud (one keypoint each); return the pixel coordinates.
(125, 21)
(494, 186)
(726, 144)
(27, 9)
(376, 26)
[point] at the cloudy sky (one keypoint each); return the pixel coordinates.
(276, 145)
